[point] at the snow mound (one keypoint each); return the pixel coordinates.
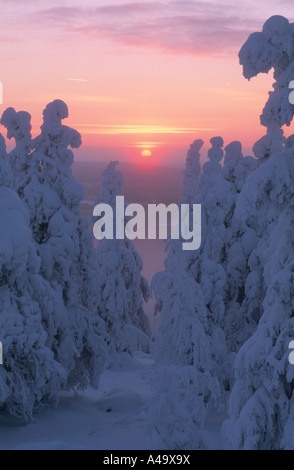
(120, 400)
(50, 445)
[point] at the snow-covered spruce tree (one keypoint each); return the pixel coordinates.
(220, 265)
(185, 386)
(261, 403)
(240, 240)
(206, 265)
(272, 48)
(6, 173)
(121, 285)
(18, 125)
(185, 379)
(30, 378)
(64, 243)
(192, 173)
(237, 168)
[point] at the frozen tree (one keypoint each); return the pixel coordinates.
(111, 185)
(220, 266)
(238, 245)
(184, 382)
(192, 173)
(5, 173)
(261, 404)
(242, 307)
(237, 168)
(18, 125)
(206, 265)
(189, 344)
(183, 316)
(121, 285)
(64, 243)
(272, 48)
(270, 144)
(30, 378)
(212, 168)
(177, 413)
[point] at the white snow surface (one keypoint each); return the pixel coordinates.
(112, 418)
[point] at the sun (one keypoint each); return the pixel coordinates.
(146, 153)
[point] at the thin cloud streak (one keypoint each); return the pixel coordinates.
(76, 79)
(138, 129)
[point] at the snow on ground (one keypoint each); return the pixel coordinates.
(112, 418)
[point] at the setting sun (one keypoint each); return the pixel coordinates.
(146, 153)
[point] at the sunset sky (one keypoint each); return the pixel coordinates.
(137, 75)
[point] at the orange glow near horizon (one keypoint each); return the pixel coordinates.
(197, 110)
(134, 93)
(146, 153)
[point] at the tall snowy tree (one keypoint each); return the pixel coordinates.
(237, 248)
(186, 383)
(237, 168)
(122, 287)
(261, 404)
(18, 125)
(192, 173)
(30, 378)
(64, 243)
(272, 48)
(206, 266)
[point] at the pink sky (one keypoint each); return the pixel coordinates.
(137, 74)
